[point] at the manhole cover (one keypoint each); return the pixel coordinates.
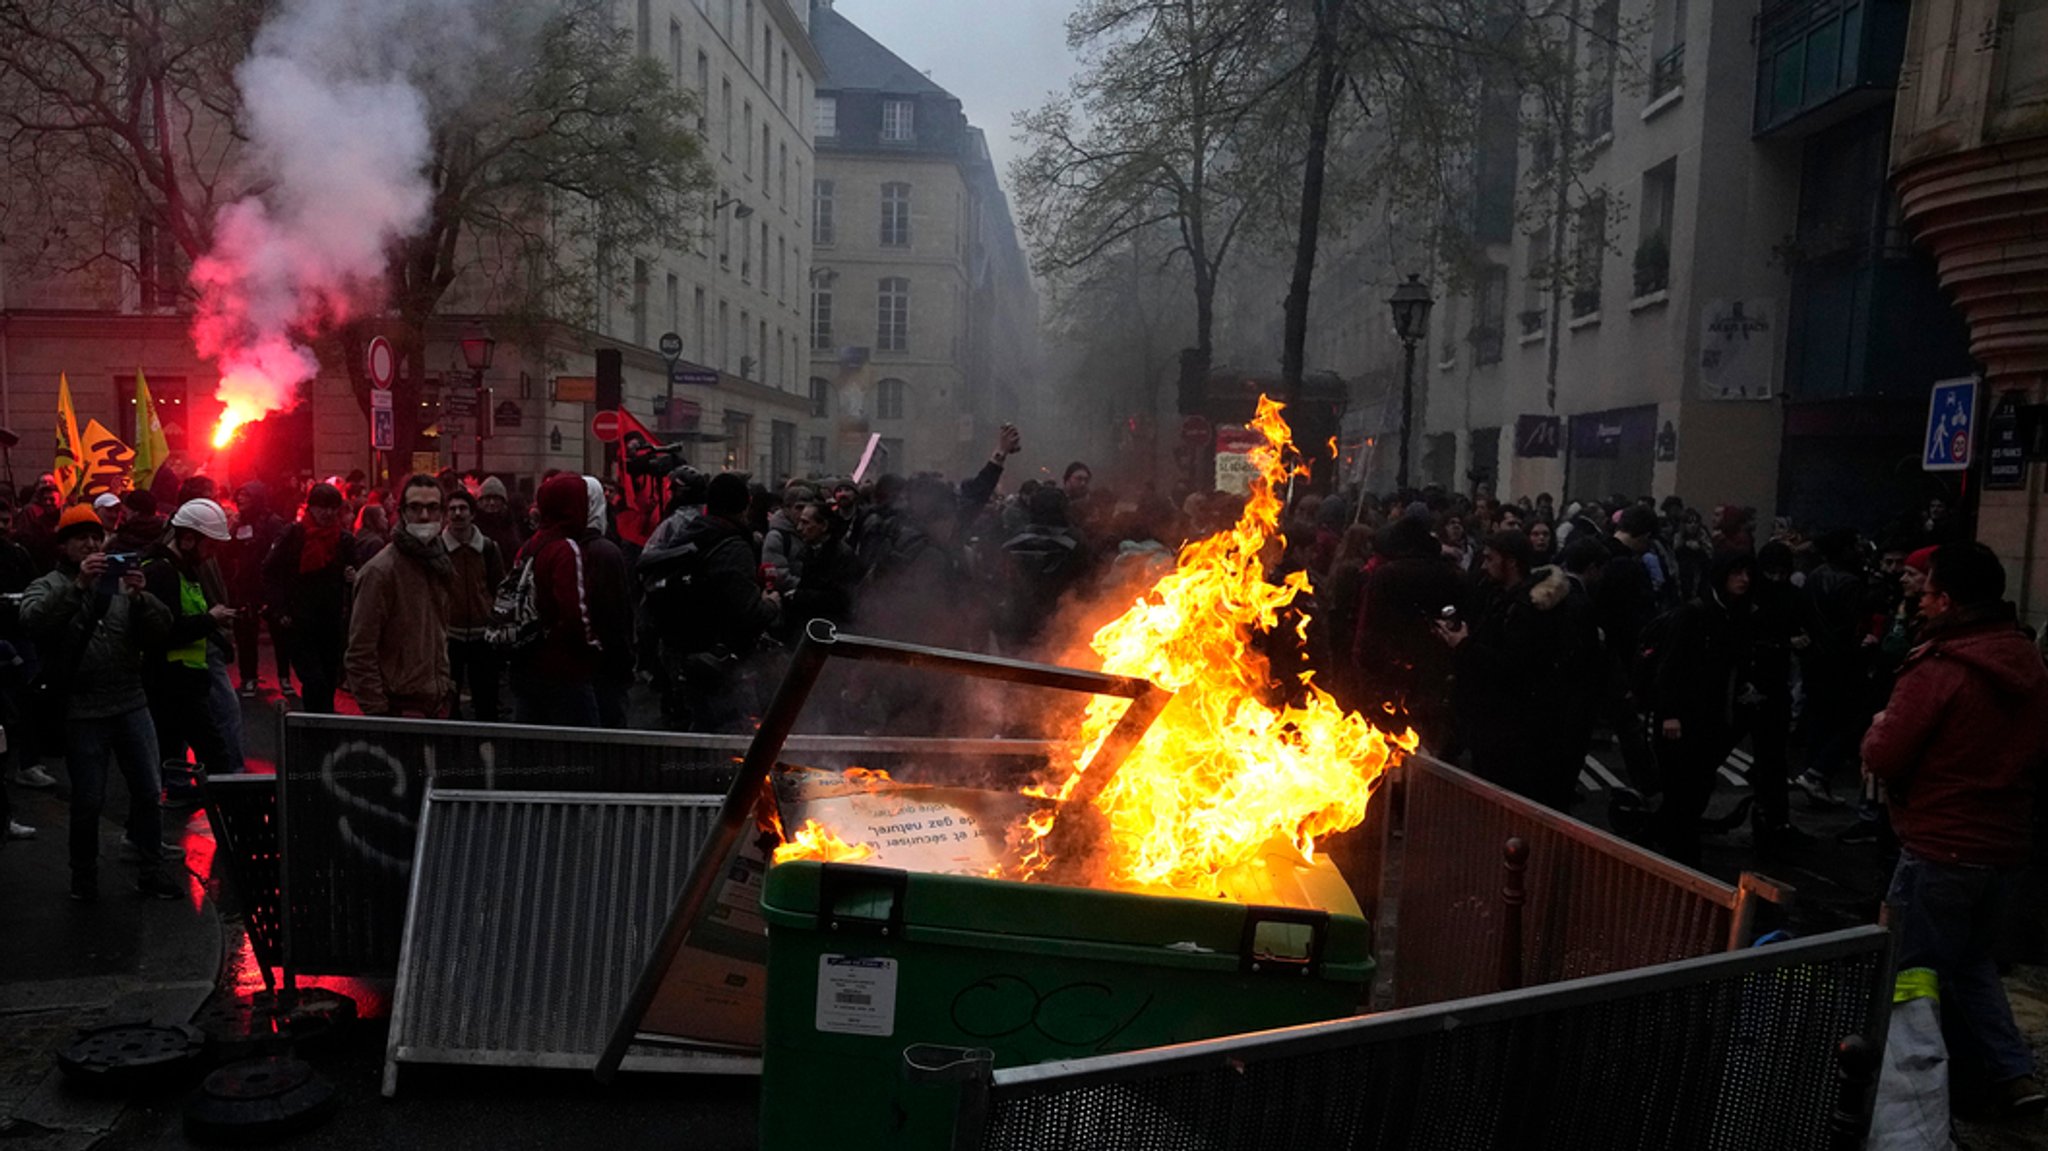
(259, 1100)
(125, 1055)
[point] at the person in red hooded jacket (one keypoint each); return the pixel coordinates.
(1961, 747)
(585, 613)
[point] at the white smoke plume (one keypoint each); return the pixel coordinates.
(337, 97)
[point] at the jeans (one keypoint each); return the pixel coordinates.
(180, 703)
(476, 662)
(1946, 916)
(129, 740)
(317, 659)
(224, 707)
(553, 702)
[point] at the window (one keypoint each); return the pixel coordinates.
(1605, 29)
(896, 215)
(825, 110)
(814, 454)
(781, 449)
(729, 6)
(892, 315)
(747, 45)
(697, 322)
(747, 128)
(675, 51)
(602, 295)
(821, 213)
(724, 337)
(1536, 282)
(746, 338)
(1592, 254)
(821, 313)
(761, 352)
(1653, 242)
(767, 155)
(640, 302)
(674, 288)
(1489, 318)
(889, 399)
(782, 171)
(746, 253)
(821, 404)
(764, 258)
(891, 457)
(725, 100)
(643, 28)
(724, 234)
(783, 90)
(1667, 47)
(782, 268)
(703, 93)
(898, 121)
(739, 439)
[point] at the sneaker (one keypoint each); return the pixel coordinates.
(1862, 831)
(2021, 1096)
(20, 830)
(157, 885)
(1816, 789)
(84, 890)
(35, 775)
(251, 690)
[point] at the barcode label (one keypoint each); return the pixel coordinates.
(857, 995)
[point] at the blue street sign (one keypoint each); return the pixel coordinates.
(1951, 426)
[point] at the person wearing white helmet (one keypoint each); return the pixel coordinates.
(180, 572)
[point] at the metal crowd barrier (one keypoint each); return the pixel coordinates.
(1590, 903)
(531, 915)
(242, 810)
(349, 792)
(1736, 1050)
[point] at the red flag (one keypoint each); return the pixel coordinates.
(642, 512)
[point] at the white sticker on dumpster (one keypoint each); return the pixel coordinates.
(857, 995)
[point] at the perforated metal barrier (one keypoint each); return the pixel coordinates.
(1595, 903)
(1730, 1051)
(242, 810)
(531, 915)
(350, 788)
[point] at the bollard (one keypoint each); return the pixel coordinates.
(1514, 860)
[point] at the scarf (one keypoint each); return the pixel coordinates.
(428, 554)
(322, 545)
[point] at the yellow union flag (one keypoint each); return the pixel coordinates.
(104, 466)
(65, 469)
(151, 448)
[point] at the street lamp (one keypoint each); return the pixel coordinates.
(476, 352)
(1410, 303)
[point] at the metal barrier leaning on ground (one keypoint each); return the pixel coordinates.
(350, 787)
(1590, 903)
(1735, 1050)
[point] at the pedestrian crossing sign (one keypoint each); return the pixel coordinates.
(1951, 426)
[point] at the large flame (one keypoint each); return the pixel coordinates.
(1222, 773)
(816, 841)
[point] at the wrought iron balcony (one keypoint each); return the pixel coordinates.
(1821, 61)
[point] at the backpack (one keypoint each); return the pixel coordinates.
(673, 602)
(515, 610)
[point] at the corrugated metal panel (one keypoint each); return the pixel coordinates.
(531, 915)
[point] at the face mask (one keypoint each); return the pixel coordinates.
(423, 532)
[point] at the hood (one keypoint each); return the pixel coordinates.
(1550, 588)
(1990, 642)
(1408, 536)
(563, 502)
(594, 503)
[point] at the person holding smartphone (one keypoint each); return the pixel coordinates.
(95, 622)
(176, 571)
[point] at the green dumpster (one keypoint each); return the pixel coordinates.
(865, 961)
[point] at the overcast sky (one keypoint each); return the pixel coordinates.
(999, 58)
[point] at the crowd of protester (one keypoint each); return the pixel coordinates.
(1515, 637)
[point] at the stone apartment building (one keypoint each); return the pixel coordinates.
(736, 298)
(923, 320)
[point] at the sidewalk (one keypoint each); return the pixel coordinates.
(67, 966)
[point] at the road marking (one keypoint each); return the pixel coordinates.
(1586, 781)
(1733, 778)
(1742, 755)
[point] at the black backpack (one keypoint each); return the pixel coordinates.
(1653, 647)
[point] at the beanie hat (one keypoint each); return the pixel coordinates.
(140, 502)
(1921, 561)
(492, 486)
(76, 519)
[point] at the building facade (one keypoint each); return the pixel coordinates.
(736, 296)
(922, 318)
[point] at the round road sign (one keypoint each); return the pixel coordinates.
(671, 345)
(1196, 430)
(383, 364)
(605, 425)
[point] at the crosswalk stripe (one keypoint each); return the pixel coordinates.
(1737, 766)
(1733, 778)
(1586, 781)
(1742, 755)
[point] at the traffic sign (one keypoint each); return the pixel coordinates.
(1196, 430)
(605, 425)
(671, 345)
(1951, 426)
(382, 363)
(2005, 453)
(683, 374)
(380, 400)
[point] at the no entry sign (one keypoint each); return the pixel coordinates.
(605, 425)
(382, 364)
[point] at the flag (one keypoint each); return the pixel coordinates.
(69, 451)
(643, 495)
(103, 467)
(151, 448)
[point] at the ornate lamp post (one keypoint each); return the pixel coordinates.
(476, 352)
(1410, 303)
